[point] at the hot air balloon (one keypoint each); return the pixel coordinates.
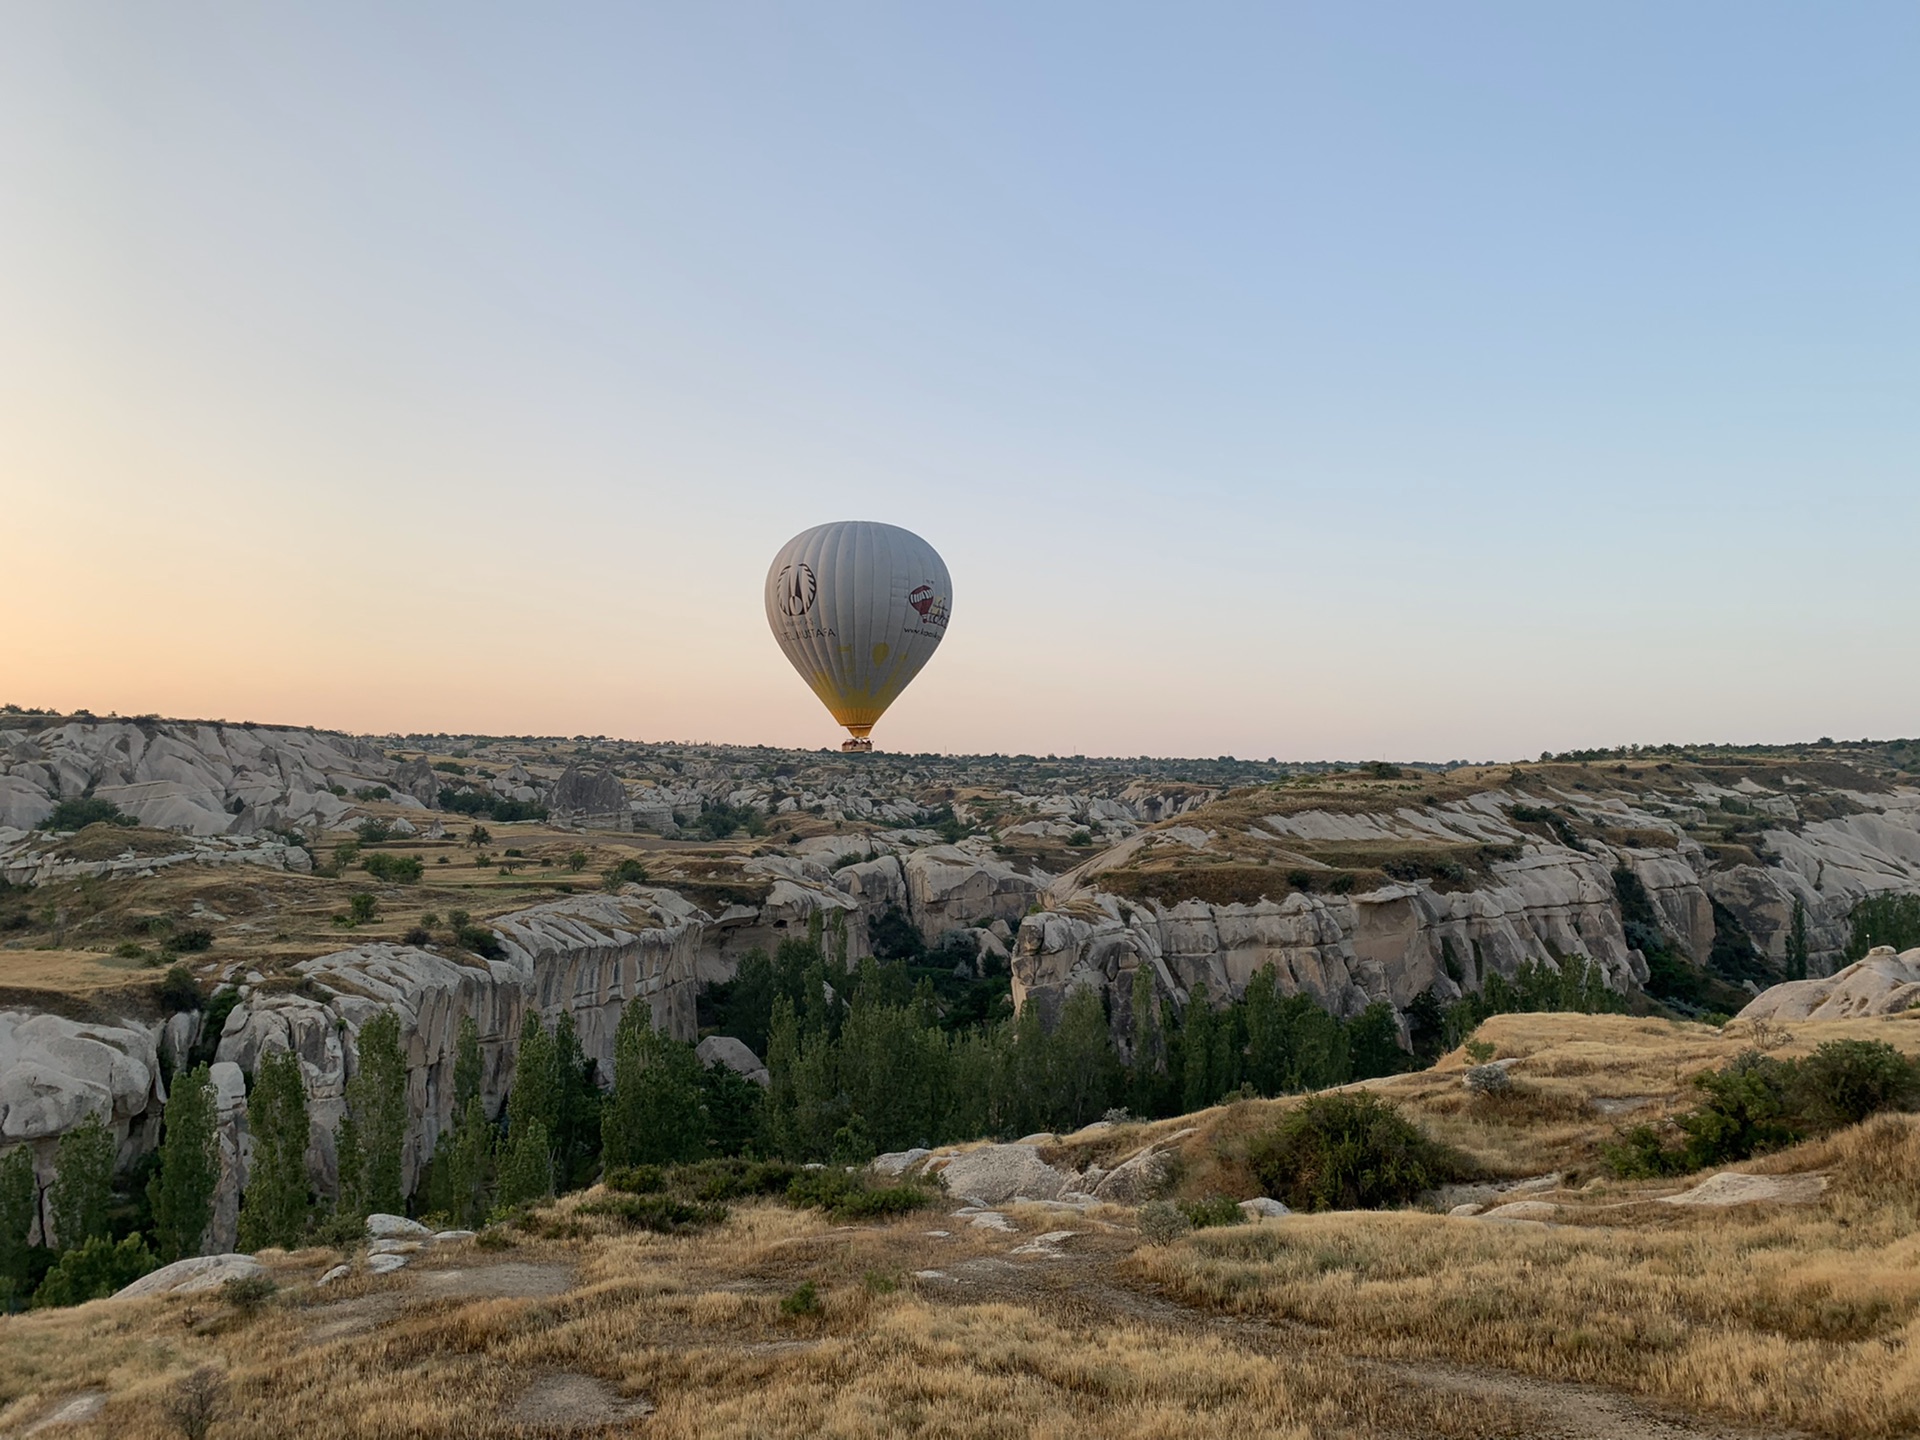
(858, 607)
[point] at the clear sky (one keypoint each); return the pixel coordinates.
(1314, 381)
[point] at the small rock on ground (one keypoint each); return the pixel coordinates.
(1732, 1188)
(1522, 1210)
(1263, 1207)
(385, 1264)
(74, 1411)
(991, 1220)
(338, 1272)
(395, 1227)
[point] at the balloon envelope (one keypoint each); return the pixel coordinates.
(858, 607)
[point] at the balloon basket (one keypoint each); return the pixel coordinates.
(856, 747)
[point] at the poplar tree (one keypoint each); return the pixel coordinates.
(374, 1131)
(275, 1207)
(654, 1115)
(182, 1193)
(19, 1194)
(83, 1183)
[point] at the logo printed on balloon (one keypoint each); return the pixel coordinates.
(797, 589)
(932, 607)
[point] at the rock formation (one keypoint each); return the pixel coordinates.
(584, 799)
(1882, 984)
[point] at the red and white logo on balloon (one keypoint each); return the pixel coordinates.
(932, 607)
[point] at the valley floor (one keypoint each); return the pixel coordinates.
(1600, 1310)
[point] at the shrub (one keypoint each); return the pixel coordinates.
(852, 1195)
(1212, 1211)
(179, 991)
(190, 941)
(373, 831)
(1162, 1223)
(1756, 1103)
(78, 814)
(362, 908)
(1845, 1081)
(94, 1270)
(1350, 1151)
(249, 1294)
(627, 872)
(662, 1214)
(373, 792)
(418, 935)
(804, 1300)
(398, 869)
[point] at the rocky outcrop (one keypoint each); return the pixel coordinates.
(179, 775)
(34, 857)
(1347, 952)
(1882, 984)
(590, 956)
(583, 799)
(949, 888)
(734, 1054)
(191, 1276)
(56, 1072)
(1541, 902)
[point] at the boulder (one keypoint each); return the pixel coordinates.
(583, 799)
(395, 1227)
(1139, 1179)
(994, 1174)
(734, 1054)
(1263, 1208)
(898, 1162)
(190, 1276)
(1882, 984)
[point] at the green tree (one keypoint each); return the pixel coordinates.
(535, 1097)
(1085, 1071)
(19, 1199)
(526, 1174)
(274, 1210)
(1197, 1036)
(1147, 1079)
(654, 1115)
(83, 1183)
(467, 1070)
(1373, 1041)
(576, 1134)
(93, 1270)
(1797, 943)
(466, 1167)
(373, 1133)
(182, 1192)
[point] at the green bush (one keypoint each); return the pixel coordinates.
(627, 872)
(662, 1214)
(1350, 1151)
(375, 831)
(804, 1300)
(853, 1195)
(396, 869)
(249, 1294)
(94, 1270)
(78, 814)
(179, 991)
(480, 940)
(1162, 1223)
(1845, 1081)
(362, 908)
(1756, 1103)
(1213, 1211)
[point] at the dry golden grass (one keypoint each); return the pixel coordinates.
(1783, 1315)
(694, 1326)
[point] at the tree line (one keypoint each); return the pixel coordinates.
(885, 1054)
